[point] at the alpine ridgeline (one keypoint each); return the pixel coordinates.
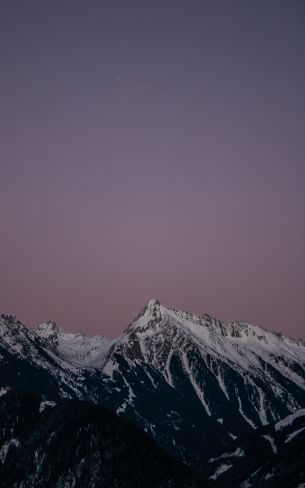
(192, 382)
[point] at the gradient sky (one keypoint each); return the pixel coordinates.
(152, 149)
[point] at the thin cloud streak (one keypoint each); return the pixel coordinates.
(141, 86)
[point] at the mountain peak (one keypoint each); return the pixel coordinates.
(48, 329)
(11, 325)
(153, 304)
(8, 318)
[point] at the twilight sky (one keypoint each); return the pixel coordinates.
(152, 149)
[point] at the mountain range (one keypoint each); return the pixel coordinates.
(195, 385)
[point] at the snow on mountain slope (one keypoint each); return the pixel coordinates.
(232, 374)
(254, 356)
(15, 337)
(192, 382)
(271, 456)
(74, 348)
(32, 362)
(236, 343)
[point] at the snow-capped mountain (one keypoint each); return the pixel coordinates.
(47, 360)
(191, 382)
(195, 382)
(74, 348)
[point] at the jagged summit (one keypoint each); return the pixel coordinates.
(9, 320)
(156, 319)
(48, 329)
(8, 317)
(156, 308)
(153, 308)
(12, 332)
(155, 313)
(153, 305)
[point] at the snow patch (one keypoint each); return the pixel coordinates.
(220, 470)
(4, 390)
(194, 384)
(122, 408)
(46, 404)
(289, 420)
(110, 367)
(242, 412)
(272, 443)
(293, 435)
(237, 453)
(6, 447)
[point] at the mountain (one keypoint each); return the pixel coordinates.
(193, 383)
(49, 361)
(74, 348)
(271, 457)
(78, 444)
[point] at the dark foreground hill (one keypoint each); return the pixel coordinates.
(77, 444)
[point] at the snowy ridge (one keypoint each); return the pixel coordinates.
(158, 335)
(176, 374)
(57, 359)
(238, 344)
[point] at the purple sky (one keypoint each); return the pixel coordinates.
(152, 149)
